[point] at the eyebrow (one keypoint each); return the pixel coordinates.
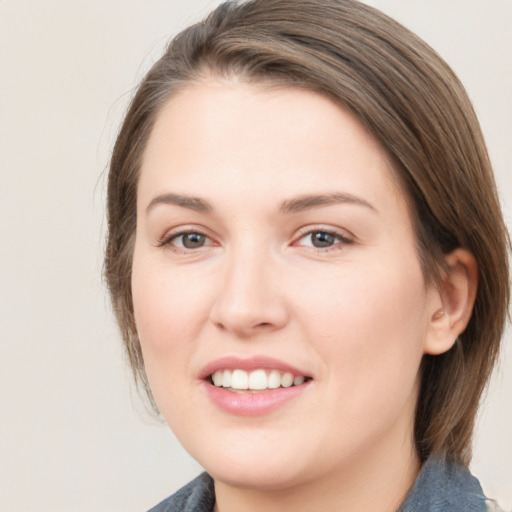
(193, 203)
(307, 202)
(293, 205)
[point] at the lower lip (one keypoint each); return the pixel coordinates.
(252, 404)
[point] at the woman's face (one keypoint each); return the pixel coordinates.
(272, 239)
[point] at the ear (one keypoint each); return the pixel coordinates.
(452, 303)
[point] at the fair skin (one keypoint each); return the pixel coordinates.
(231, 261)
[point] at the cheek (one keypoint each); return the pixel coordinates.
(169, 312)
(167, 304)
(369, 326)
(167, 315)
(369, 339)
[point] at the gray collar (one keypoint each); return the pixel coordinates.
(444, 486)
(441, 486)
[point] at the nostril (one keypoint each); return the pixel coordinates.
(247, 315)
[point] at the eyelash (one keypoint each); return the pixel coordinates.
(342, 240)
(168, 238)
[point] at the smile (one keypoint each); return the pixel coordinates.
(238, 380)
(253, 386)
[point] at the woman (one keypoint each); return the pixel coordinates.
(307, 260)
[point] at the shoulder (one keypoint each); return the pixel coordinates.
(197, 496)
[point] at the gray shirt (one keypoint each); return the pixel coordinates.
(441, 486)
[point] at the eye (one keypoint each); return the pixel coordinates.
(322, 239)
(189, 240)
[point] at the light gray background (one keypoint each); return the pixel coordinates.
(73, 434)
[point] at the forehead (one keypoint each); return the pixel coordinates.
(260, 138)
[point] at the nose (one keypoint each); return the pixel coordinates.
(250, 300)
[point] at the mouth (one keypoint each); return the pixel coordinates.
(255, 381)
(253, 386)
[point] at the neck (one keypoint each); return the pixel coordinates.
(378, 483)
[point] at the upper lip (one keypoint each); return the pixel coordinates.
(249, 364)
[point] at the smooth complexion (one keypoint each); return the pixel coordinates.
(270, 225)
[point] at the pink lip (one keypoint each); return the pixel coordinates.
(252, 404)
(248, 364)
(247, 403)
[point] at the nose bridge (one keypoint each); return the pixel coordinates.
(248, 301)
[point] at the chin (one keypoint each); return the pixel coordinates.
(267, 477)
(245, 462)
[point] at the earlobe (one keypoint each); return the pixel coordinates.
(454, 302)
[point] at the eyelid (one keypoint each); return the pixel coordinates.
(311, 228)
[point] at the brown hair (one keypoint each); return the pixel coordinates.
(412, 102)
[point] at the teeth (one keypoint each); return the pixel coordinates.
(226, 379)
(274, 379)
(217, 378)
(239, 380)
(256, 380)
(287, 380)
(297, 381)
